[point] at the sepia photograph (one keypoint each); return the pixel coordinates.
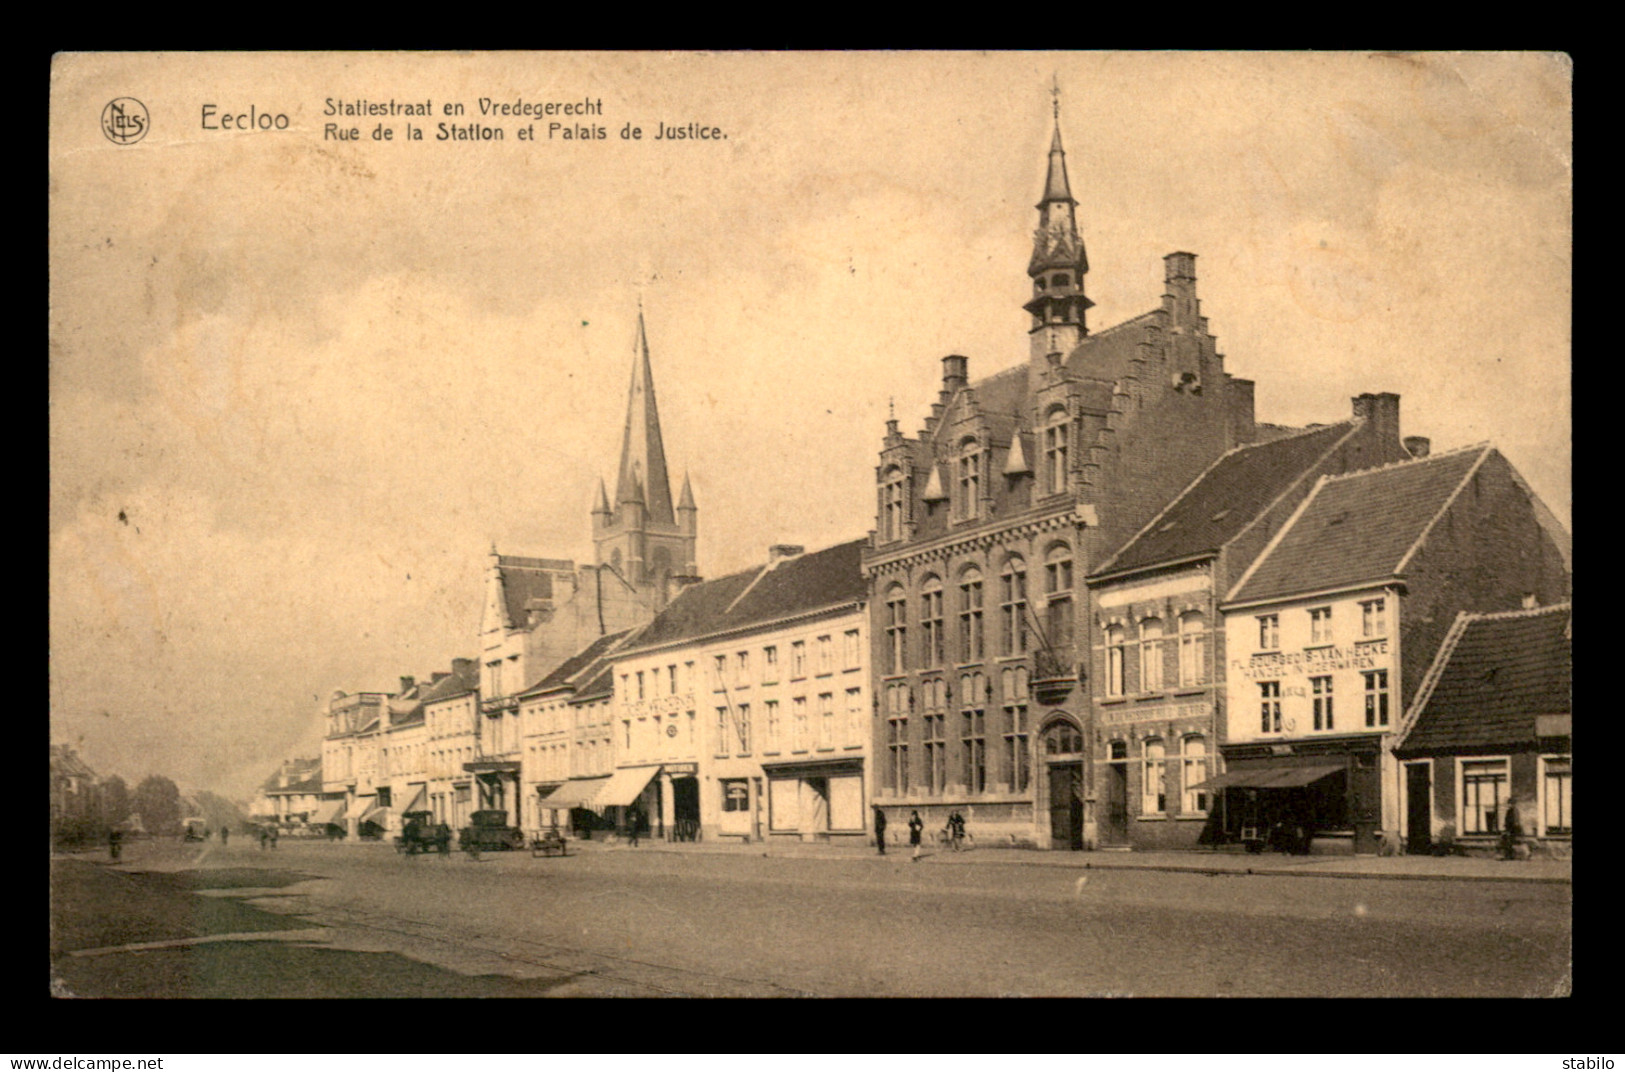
(810, 524)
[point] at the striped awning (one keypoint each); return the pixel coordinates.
(576, 793)
(420, 801)
(1270, 777)
(330, 812)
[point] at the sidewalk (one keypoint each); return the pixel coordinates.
(1196, 862)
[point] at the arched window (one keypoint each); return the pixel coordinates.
(1058, 594)
(970, 615)
(1063, 739)
(931, 620)
(1013, 607)
(896, 629)
(1151, 655)
(1192, 647)
(891, 505)
(1055, 452)
(1153, 788)
(1193, 773)
(970, 480)
(1114, 660)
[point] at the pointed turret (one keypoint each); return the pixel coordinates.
(602, 505)
(642, 476)
(1058, 263)
(687, 501)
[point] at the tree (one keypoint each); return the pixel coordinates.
(158, 801)
(115, 800)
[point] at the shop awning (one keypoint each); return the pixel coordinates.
(331, 812)
(575, 794)
(1270, 777)
(623, 787)
(420, 802)
(374, 814)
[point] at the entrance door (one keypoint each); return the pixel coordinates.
(1418, 808)
(685, 806)
(816, 817)
(1116, 831)
(1066, 805)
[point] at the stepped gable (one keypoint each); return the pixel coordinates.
(1490, 682)
(1226, 498)
(1358, 528)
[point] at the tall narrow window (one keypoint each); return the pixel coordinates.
(973, 731)
(1373, 619)
(798, 711)
(1153, 786)
(1321, 690)
(1055, 453)
(897, 705)
(970, 480)
(1376, 698)
(770, 664)
(719, 671)
(770, 740)
(1115, 651)
(891, 498)
(1192, 648)
(1320, 625)
(826, 655)
(931, 621)
(1018, 757)
(742, 726)
(1483, 795)
(1269, 720)
(854, 717)
(854, 649)
(1193, 772)
(1151, 655)
(936, 752)
(897, 630)
(1058, 592)
(826, 720)
(798, 657)
(722, 732)
(1557, 786)
(1269, 632)
(970, 616)
(1013, 608)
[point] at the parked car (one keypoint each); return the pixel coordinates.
(490, 830)
(420, 833)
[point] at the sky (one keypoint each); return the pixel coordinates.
(299, 386)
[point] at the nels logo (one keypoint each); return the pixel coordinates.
(125, 121)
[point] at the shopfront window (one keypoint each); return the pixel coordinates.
(1153, 787)
(1557, 782)
(1483, 795)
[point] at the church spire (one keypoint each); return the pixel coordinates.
(642, 476)
(1058, 263)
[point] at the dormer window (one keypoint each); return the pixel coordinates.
(970, 468)
(1055, 452)
(891, 505)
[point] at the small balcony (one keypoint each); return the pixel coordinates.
(1053, 678)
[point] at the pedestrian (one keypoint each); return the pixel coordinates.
(115, 842)
(880, 829)
(225, 835)
(956, 829)
(1511, 831)
(633, 819)
(265, 839)
(915, 825)
(274, 833)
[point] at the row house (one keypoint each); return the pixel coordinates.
(568, 746)
(1491, 731)
(989, 518)
(451, 724)
(1158, 664)
(292, 796)
(1329, 633)
(350, 759)
(743, 709)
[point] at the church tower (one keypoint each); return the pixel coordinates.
(1058, 263)
(640, 534)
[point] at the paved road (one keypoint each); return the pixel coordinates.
(626, 922)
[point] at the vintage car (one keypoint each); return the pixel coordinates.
(420, 833)
(490, 830)
(194, 830)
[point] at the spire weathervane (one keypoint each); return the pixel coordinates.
(1055, 92)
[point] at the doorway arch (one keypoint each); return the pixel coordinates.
(1062, 743)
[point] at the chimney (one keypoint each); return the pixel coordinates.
(1418, 446)
(1382, 411)
(462, 667)
(781, 551)
(1243, 429)
(1179, 280)
(679, 581)
(955, 370)
(406, 684)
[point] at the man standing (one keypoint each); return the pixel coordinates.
(1511, 831)
(880, 829)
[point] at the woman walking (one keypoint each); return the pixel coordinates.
(915, 825)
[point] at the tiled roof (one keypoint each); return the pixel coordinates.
(453, 684)
(65, 761)
(570, 668)
(1226, 498)
(1492, 678)
(524, 579)
(761, 595)
(1358, 528)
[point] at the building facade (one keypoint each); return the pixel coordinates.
(989, 518)
(1491, 729)
(1330, 631)
(743, 710)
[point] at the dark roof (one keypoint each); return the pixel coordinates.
(600, 685)
(453, 684)
(525, 579)
(761, 595)
(1358, 528)
(1226, 498)
(1493, 675)
(563, 674)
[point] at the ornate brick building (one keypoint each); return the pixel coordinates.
(989, 517)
